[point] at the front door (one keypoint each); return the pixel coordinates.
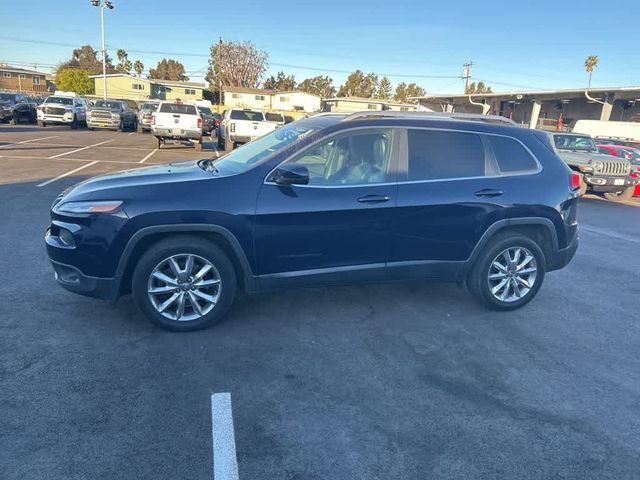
(338, 224)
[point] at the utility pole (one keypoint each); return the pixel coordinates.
(466, 74)
(102, 5)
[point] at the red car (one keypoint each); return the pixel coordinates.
(630, 153)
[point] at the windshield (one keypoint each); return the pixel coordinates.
(107, 104)
(59, 100)
(253, 153)
(7, 97)
(274, 117)
(152, 107)
(250, 115)
(575, 143)
(206, 111)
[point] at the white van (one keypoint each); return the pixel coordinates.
(609, 130)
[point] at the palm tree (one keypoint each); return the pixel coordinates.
(589, 64)
(138, 66)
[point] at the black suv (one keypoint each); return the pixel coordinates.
(331, 199)
(16, 108)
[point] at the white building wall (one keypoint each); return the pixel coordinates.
(247, 100)
(296, 101)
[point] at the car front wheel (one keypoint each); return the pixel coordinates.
(184, 283)
(508, 273)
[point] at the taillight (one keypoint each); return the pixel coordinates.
(153, 119)
(199, 122)
(233, 127)
(575, 180)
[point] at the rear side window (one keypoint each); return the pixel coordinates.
(437, 154)
(511, 155)
(178, 108)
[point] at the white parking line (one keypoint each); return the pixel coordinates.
(28, 141)
(132, 133)
(148, 156)
(80, 149)
(225, 462)
(66, 174)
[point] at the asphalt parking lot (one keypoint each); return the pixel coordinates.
(385, 381)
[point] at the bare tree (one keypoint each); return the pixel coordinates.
(236, 64)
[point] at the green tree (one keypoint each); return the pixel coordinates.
(86, 58)
(124, 64)
(74, 80)
(320, 85)
(280, 82)
(236, 64)
(359, 85)
(138, 67)
(590, 63)
(404, 92)
(480, 87)
(168, 69)
(384, 89)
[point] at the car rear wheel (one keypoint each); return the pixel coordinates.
(626, 194)
(42, 124)
(184, 283)
(220, 143)
(74, 123)
(508, 273)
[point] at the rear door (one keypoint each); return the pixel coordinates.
(338, 225)
(177, 117)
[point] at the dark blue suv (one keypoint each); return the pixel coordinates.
(327, 200)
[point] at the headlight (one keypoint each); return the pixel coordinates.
(115, 115)
(598, 165)
(108, 206)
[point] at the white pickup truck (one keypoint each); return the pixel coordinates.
(177, 122)
(241, 126)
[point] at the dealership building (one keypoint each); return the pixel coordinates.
(544, 108)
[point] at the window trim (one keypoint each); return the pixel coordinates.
(394, 158)
(491, 164)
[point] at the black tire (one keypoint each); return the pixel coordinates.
(42, 124)
(158, 143)
(14, 119)
(74, 123)
(626, 194)
(220, 143)
(184, 244)
(198, 145)
(120, 127)
(139, 129)
(478, 278)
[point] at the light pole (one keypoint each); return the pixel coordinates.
(102, 5)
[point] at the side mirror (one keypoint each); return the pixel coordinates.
(291, 174)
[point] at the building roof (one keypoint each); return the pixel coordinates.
(157, 81)
(532, 93)
(9, 68)
(369, 100)
(264, 91)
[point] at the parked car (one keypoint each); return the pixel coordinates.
(208, 120)
(62, 108)
(275, 117)
(16, 108)
(600, 174)
(145, 115)
(322, 201)
(630, 153)
(241, 126)
(113, 115)
(177, 122)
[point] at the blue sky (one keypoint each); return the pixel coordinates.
(512, 44)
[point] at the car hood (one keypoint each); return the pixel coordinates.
(96, 187)
(584, 158)
(102, 109)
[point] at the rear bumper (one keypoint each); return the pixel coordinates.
(170, 133)
(241, 138)
(72, 279)
(562, 257)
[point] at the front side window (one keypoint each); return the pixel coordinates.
(356, 158)
(511, 155)
(439, 154)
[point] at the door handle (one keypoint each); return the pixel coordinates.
(374, 199)
(488, 192)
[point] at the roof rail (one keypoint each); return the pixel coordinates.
(470, 117)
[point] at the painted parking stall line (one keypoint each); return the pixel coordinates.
(80, 149)
(66, 174)
(147, 157)
(28, 141)
(225, 462)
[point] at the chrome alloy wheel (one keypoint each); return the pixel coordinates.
(512, 274)
(184, 287)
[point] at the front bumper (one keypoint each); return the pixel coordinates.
(59, 119)
(6, 114)
(103, 122)
(72, 279)
(609, 183)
